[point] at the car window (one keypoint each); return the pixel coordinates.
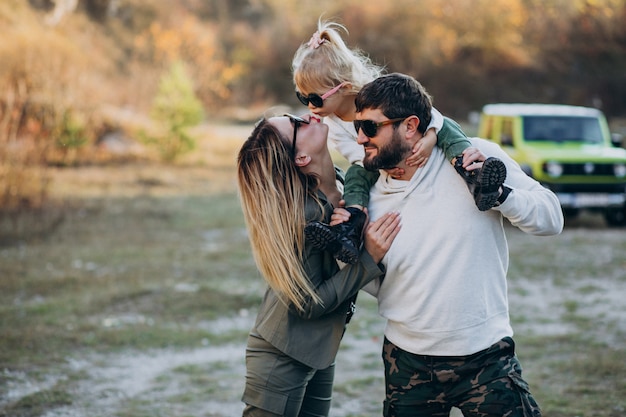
(562, 129)
(489, 128)
(506, 137)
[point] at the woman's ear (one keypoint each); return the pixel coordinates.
(302, 160)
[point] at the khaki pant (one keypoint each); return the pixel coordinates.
(279, 386)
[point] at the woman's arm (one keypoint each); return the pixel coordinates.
(336, 289)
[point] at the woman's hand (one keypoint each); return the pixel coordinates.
(379, 235)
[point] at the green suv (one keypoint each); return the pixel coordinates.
(568, 149)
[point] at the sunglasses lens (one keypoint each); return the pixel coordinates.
(357, 125)
(296, 119)
(304, 100)
(368, 127)
(314, 99)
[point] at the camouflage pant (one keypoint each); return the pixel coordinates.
(486, 384)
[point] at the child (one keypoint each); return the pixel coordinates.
(326, 65)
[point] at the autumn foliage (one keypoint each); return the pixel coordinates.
(65, 81)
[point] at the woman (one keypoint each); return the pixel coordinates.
(286, 178)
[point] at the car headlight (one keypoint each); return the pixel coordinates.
(553, 169)
(619, 170)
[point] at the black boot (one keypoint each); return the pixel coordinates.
(342, 240)
(484, 183)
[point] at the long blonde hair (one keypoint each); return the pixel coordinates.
(273, 195)
(325, 61)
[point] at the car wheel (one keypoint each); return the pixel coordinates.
(616, 217)
(570, 213)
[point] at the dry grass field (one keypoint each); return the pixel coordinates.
(139, 302)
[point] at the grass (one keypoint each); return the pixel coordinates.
(151, 267)
(108, 278)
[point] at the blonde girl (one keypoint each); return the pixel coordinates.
(328, 75)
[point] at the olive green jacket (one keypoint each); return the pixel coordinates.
(312, 336)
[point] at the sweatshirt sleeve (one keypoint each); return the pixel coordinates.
(342, 137)
(436, 120)
(530, 206)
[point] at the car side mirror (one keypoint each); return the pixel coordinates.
(617, 139)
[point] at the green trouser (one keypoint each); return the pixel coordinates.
(450, 139)
(486, 384)
(279, 386)
(356, 191)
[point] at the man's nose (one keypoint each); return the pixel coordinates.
(361, 139)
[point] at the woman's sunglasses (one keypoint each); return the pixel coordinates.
(315, 99)
(370, 127)
(297, 121)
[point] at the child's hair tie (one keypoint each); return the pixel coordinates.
(315, 41)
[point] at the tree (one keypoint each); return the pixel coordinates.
(175, 108)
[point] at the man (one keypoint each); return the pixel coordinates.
(448, 339)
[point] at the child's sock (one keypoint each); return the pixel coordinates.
(483, 183)
(342, 240)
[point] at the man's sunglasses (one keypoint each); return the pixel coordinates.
(370, 127)
(315, 99)
(297, 121)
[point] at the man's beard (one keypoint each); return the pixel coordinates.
(389, 155)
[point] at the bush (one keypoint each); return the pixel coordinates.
(175, 109)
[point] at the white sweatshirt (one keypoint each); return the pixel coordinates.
(342, 136)
(445, 290)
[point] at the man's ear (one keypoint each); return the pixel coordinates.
(302, 160)
(412, 124)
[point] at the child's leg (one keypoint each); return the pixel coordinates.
(357, 185)
(344, 240)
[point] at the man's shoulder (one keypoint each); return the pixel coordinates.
(486, 146)
(480, 142)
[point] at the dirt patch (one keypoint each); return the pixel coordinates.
(208, 380)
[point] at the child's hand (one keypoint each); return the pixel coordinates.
(473, 158)
(395, 173)
(422, 149)
(340, 215)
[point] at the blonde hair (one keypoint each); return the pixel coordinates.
(326, 61)
(273, 195)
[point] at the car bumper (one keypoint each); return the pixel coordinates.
(591, 200)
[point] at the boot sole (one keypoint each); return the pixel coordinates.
(492, 176)
(347, 253)
(322, 237)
